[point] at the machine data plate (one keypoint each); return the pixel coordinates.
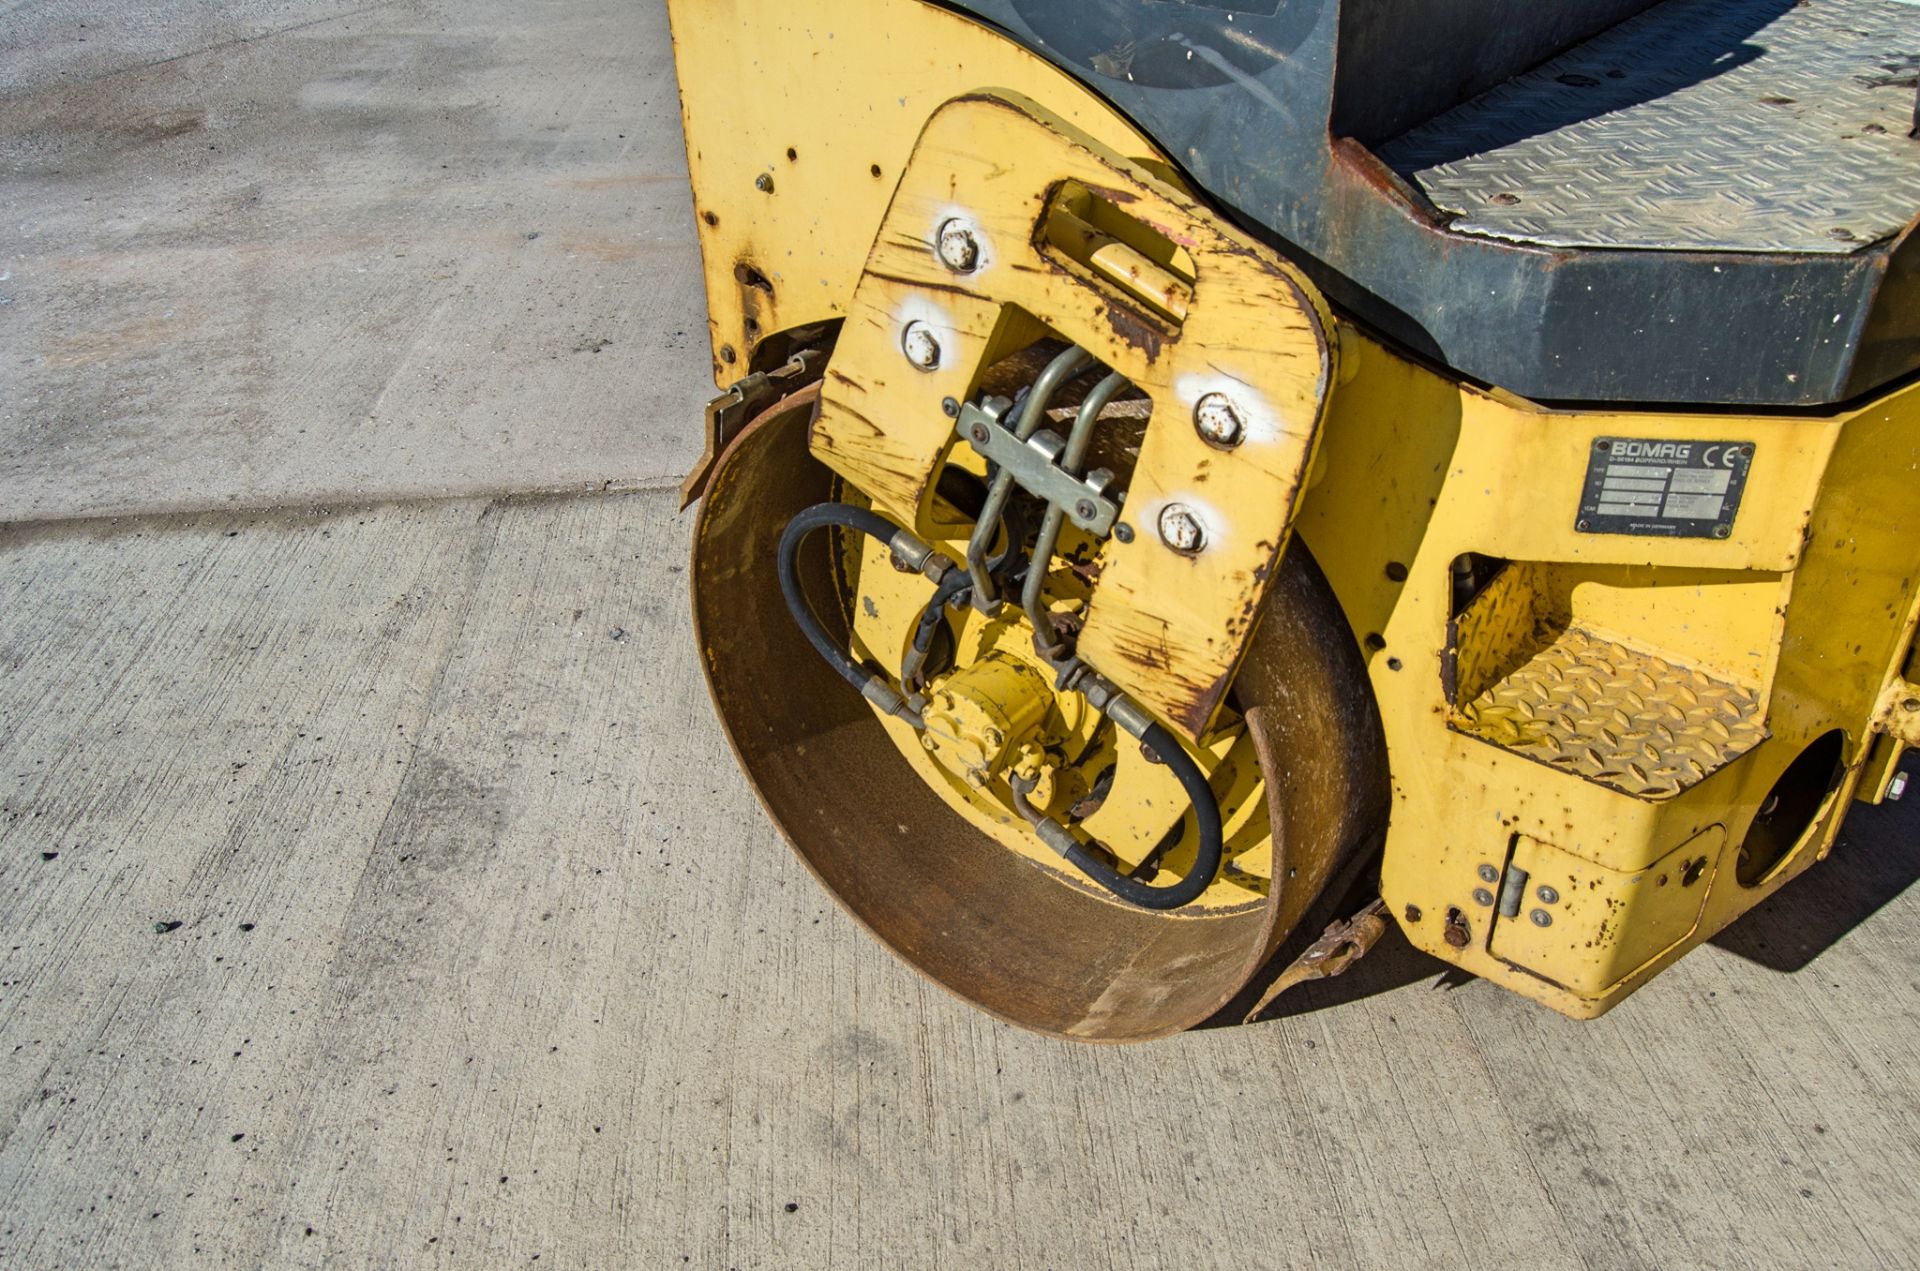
(1664, 488)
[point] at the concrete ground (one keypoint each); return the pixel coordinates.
(376, 887)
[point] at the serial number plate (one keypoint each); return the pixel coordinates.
(1673, 489)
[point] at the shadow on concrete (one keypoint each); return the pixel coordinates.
(1391, 964)
(1876, 859)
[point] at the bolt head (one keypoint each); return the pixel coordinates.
(1085, 509)
(1541, 918)
(1488, 874)
(1218, 420)
(763, 183)
(1123, 531)
(1181, 530)
(951, 407)
(1548, 895)
(958, 249)
(1481, 896)
(979, 433)
(1897, 787)
(920, 345)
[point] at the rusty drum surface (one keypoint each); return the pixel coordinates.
(997, 930)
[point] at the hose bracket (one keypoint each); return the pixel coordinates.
(1035, 467)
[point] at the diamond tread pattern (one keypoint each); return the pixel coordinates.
(1734, 125)
(1618, 716)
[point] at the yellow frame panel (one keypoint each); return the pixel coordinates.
(801, 115)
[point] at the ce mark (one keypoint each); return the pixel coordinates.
(1725, 455)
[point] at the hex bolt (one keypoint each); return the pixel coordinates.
(920, 346)
(1896, 787)
(1218, 420)
(959, 250)
(1548, 895)
(1488, 874)
(763, 183)
(1180, 529)
(1481, 896)
(1541, 918)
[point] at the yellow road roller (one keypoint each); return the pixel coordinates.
(1198, 483)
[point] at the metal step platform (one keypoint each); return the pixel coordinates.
(1618, 715)
(1706, 125)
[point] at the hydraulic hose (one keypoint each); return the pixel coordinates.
(933, 619)
(1206, 813)
(1032, 413)
(1072, 460)
(871, 684)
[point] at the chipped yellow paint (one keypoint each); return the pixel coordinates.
(1620, 920)
(801, 118)
(820, 102)
(1798, 620)
(1167, 627)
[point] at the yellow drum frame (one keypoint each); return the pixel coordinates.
(1581, 751)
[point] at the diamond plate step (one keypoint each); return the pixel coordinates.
(1617, 715)
(1728, 125)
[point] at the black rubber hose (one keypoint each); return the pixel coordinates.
(936, 611)
(846, 516)
(1206, 811)
(932, 644)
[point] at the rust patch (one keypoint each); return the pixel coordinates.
(1450, 663)
(1113, 195)
(1134, 329)
(940, 288)
(841, 377)
(748, 275)
(1362, 165)
(1340, 946)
